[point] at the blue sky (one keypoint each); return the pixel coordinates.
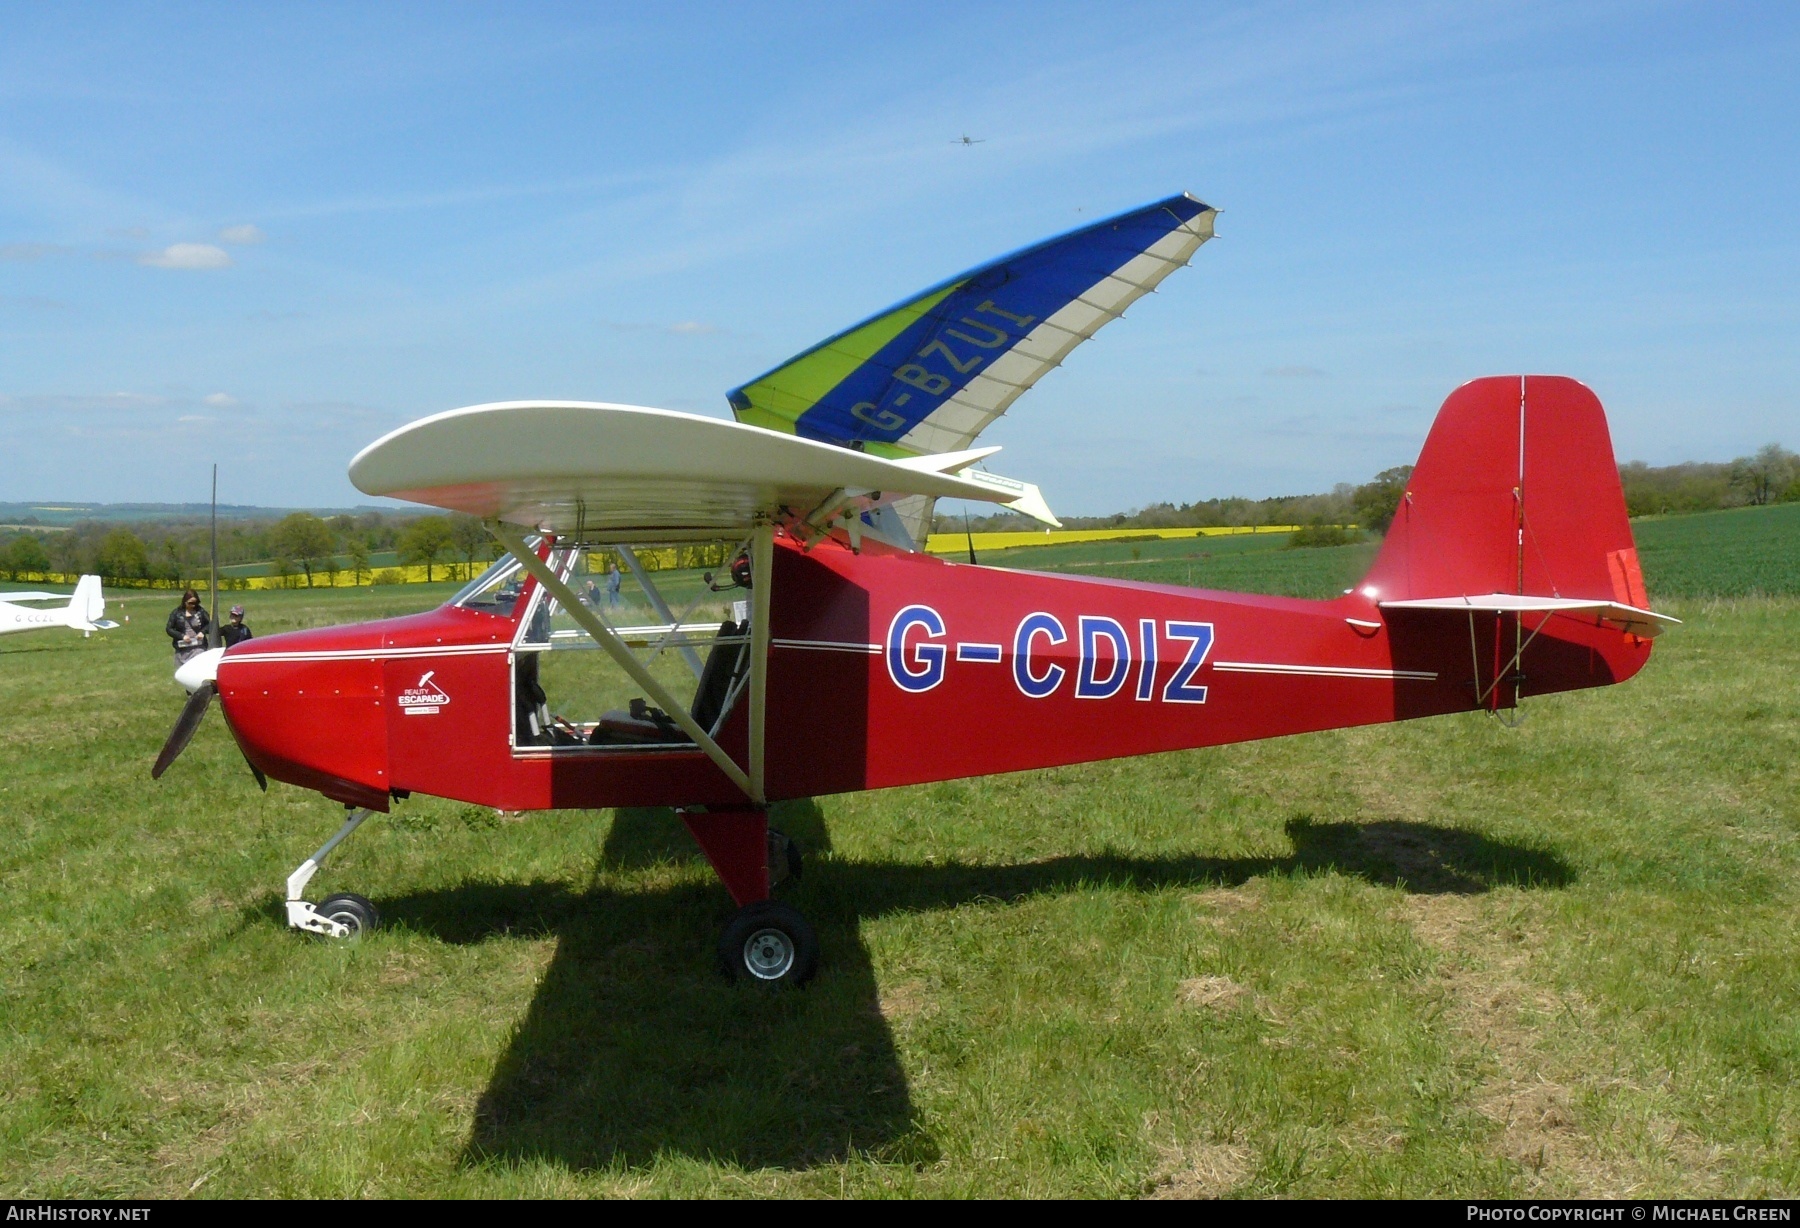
(264, 235)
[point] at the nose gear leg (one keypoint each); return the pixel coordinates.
(304, 916)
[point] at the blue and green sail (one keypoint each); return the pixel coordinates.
(930, 374)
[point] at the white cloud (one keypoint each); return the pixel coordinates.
(187, 256)
(220, 400)
(693, 328)
(242, 235)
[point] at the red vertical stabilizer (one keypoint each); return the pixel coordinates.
(1516, 491)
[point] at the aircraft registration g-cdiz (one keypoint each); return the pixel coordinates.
(828, 653)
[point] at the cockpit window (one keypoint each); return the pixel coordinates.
(681, 611)
(494, 591)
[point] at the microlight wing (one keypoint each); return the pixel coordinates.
(568, 465)
(931, 373)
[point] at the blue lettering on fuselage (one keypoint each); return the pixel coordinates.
(1181, 688)
(919, 649)
(1088, 683)
(921, 667)
(1032, 684)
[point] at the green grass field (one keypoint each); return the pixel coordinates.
(1439, 958)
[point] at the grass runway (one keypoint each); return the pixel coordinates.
(1435, 958)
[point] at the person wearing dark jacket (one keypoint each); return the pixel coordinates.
(187, 627)
(235, 631)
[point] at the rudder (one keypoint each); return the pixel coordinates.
(89, 603)
(1516, 491)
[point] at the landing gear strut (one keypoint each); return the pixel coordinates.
(765, 942)
(341, 916)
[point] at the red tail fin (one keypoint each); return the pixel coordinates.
(1516, 491)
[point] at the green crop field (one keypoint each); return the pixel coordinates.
(1437, 958)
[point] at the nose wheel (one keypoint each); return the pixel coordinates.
(769, 943)
(356, 914)
(344, 916)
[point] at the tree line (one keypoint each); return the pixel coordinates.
(301, 545)
(1772, 475)
(304, 546)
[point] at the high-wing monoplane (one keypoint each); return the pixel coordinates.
(785, 636)
(81, 611)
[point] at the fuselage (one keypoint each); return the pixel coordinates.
(15, 618)
(889, 668)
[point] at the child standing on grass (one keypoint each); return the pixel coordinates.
(236, 631)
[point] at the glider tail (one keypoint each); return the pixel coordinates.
(86, 607)
(1516, 492)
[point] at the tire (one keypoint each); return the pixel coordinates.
(354, 912)
(769, 944)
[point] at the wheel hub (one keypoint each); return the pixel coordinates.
(768, 954)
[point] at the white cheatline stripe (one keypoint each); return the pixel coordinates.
(368, 654)
(1324, 671)
(829, 646)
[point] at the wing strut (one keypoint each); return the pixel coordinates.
(514, 541)
(762, 581)
(661, 607)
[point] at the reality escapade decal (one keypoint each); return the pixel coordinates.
(424, 699)
(918, 650)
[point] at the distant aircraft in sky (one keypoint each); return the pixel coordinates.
(82, 613)
(966, 139)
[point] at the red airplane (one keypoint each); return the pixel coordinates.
(827, 653)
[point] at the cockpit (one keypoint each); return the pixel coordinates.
(682, 612)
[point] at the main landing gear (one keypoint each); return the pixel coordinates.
(765, 942)
(342, 916)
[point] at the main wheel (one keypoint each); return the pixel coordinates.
(769, 943)
(354, 912)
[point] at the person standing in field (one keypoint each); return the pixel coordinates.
(236, 631)
(613, 583)
(187, 627)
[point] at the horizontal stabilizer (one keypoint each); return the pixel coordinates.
(1027, 499)
(1646, 623)
(946, 462)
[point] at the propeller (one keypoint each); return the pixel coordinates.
(198, 675)
(186, 725)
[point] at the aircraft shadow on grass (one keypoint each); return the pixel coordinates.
(633, 1049)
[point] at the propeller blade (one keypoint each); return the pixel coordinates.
(262, 782)
(186, 725)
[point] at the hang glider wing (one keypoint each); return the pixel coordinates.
(1646, 623)
(568, 465)
(930, 374)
